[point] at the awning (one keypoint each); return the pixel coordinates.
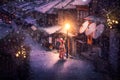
(51, 30)
(63, 30)
(57, 29)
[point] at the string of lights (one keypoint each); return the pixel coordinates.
(110, 10)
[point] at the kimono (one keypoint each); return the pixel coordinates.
(62, 51)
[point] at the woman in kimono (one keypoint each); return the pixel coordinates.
(62, 49)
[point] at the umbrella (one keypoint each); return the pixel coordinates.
(91, 18)
(99, 30)
(84, 26)
(100, 20)
(95, 19)
(91, 28)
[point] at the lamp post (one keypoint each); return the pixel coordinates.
(67, 26)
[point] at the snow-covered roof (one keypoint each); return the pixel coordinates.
(38, 2)
(62, 4)
(53, 29)
(63, 30)
(30, 20)
(80, 2)
(47, 7)
(58, 29)
(27, 8)
(51, 11)
(70, 6)
(23, 5)
(4, 30)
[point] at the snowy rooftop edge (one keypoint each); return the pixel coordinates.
(47, 7)
(52, 29)
(80, 2)
(62, 4)
(23, 5)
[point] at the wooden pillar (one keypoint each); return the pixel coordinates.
(74, 47)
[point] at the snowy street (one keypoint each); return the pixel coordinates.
(87, 32)
(45, 65)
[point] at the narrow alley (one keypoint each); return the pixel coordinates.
(46, 65)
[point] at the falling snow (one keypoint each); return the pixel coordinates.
(25, 52)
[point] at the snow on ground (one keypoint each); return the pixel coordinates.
(45, 65)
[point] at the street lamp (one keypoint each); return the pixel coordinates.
(67, 26)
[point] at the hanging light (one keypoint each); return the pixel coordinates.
(67, 26)
(24, 56)
(17, 55)
(116, 22)
(113, 21)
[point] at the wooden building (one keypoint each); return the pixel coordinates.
(46, 13)
(72, 12)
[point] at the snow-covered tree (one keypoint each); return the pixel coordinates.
(109, 9)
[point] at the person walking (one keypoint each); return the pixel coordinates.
(62, 49)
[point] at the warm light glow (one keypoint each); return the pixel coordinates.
(113, 21)
(24, 56)
(116, 22)
(110, 27)
(67, 26)
(84, 0)
(23, 52)
(18, 52)
(17, 55)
